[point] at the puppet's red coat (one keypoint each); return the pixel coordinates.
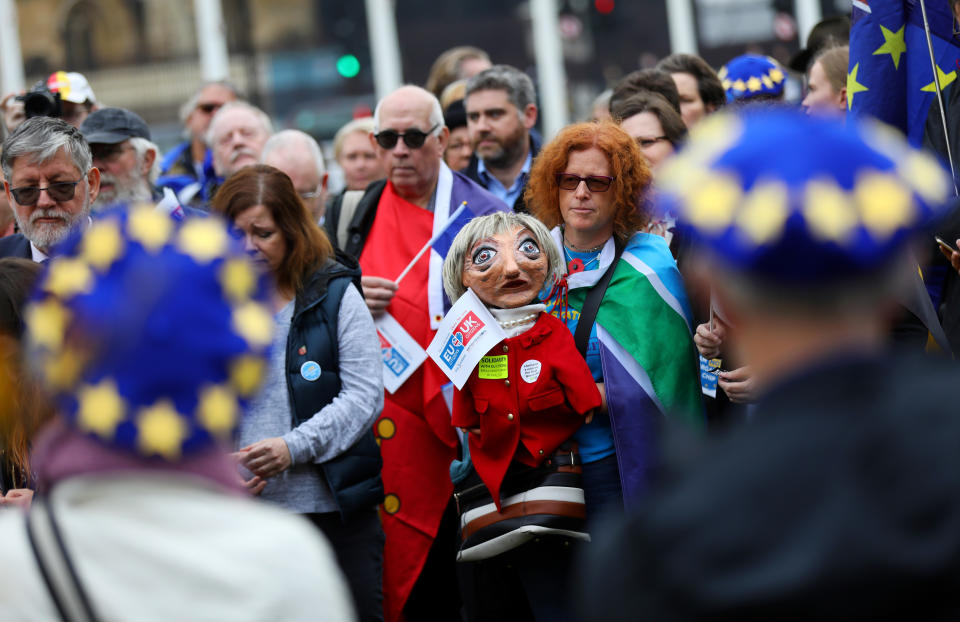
(527, 405)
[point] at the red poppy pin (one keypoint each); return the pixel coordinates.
(575, 265)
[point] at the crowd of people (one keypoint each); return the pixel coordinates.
(718, 389)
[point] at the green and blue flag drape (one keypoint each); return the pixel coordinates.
(890, 75)
(645, 334)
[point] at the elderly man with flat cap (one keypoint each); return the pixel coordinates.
(120, 143)
(840, 499)
(385, 227)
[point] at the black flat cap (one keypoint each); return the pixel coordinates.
(113, 125)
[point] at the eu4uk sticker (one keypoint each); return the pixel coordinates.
(466, 334)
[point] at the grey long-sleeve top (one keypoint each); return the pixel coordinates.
(337, 426)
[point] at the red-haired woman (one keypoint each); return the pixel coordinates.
(307, 438)
(590, 184)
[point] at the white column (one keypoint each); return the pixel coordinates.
(550, 70)
(683, 32)
(211, 40)
(11, 59)
(384, 47)
(808, 14)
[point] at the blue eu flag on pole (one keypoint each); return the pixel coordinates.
(890, 76)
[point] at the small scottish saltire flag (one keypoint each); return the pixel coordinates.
(890, 74)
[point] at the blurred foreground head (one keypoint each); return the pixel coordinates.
(150, 334)
(802, 214)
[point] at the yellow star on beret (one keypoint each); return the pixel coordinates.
(767, 82)
(764, 212)
(776, 75)
(218, 410)
(102, 244)
(254, 323)
(203, 239)
(62, 369)
(884, 203)
(100, 408)
(68, 276)
(828, 211)
(161, 430)
(46, 323)
(238, 279)
(739, 85)
(246, 374)
(925, 177)
(150, 227)
(712, 204)
(754, 84)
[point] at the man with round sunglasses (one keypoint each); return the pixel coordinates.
(385, 226)
(50, 182)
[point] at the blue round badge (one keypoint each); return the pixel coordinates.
(310, 370)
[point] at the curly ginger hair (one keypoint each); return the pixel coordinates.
(631, 176)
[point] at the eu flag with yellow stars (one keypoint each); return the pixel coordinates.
(890, 75)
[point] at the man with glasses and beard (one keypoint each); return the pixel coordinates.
(385, 227)
(122, 151)
(50, 182)
(501, 112)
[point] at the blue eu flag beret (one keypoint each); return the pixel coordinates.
(798, 199)
(150, 333)
(752, 75)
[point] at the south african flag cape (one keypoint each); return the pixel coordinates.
(650, 364)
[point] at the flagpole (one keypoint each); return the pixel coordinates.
(430, 242)
(936, 82)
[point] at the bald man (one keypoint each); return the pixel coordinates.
(385, 226)
(298, 155)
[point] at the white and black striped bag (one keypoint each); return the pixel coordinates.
(543, 501)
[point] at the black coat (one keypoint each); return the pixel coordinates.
(15, 245)
(840, 500)
(354, 476)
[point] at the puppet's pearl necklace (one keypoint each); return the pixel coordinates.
(518, 322)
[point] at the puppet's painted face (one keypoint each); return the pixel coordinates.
(506, 270)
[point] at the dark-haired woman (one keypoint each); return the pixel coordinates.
(307, 439)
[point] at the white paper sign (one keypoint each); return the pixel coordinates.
(402, 355)
(465, 335)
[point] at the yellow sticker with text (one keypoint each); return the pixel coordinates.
(493, 367)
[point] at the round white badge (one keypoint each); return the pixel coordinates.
(530, 370)
(310, 370)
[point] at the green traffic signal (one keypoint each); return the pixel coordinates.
(348, 66)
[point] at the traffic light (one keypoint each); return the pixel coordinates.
(348, 66)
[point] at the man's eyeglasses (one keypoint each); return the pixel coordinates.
(595, 183)
(59, 191)
(411, 138)
(108, 153)
(209, 108)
